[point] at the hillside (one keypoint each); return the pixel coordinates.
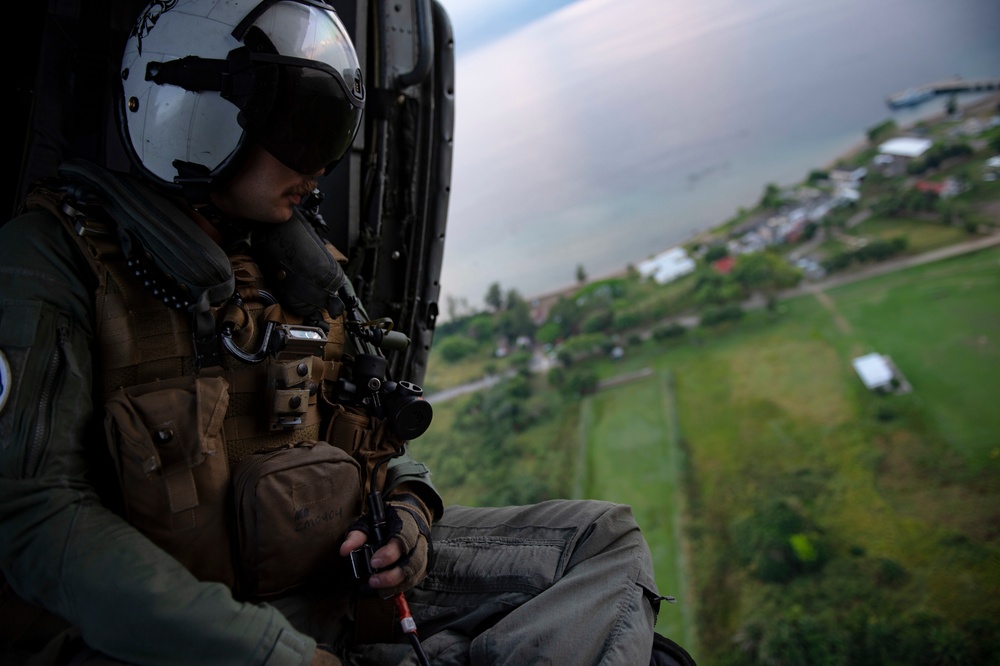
(797, 516)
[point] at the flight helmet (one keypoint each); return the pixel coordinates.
(200, 79)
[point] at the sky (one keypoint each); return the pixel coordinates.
(478, 23)
(504, 43)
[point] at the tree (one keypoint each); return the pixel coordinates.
(715, 253)
(457, 307)
(581, 275)
(765, 272)
(817, 175)
(567, 315)
(456, 347)
(952, 107)
(515, 320)
(771, 197)
(882, 130)
(494, 297)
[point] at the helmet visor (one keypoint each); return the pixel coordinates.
(303, 112)
(308, 95)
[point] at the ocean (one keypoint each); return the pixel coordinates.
(611, 130)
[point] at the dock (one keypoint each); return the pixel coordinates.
(914, 96)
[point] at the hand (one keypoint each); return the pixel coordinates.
(407, 548)
(324, 658)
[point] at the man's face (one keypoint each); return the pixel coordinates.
(264, 189)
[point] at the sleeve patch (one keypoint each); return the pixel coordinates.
(5, 380)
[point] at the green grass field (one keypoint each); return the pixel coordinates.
(631, 457)
(921, 235)
(773, 408)
(769, 408)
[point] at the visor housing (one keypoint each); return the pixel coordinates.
(308, 95)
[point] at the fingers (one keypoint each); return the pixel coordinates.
(387, 554)
(387, 580)
(383, 557)
(355, 539)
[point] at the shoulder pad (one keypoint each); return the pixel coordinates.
(177, 245)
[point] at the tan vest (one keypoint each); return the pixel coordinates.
(220, 466)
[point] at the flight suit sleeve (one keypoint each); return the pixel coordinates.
(60, 546)
(417, 479)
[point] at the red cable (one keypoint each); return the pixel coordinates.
(409, 627)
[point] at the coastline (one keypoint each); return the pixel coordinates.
(542, 302)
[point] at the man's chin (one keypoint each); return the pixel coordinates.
(279, 215)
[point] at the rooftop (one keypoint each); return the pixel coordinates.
(905, 146)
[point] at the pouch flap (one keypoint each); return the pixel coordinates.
(171, 424)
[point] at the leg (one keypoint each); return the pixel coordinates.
(556, 582)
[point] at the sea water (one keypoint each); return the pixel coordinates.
(612, 130)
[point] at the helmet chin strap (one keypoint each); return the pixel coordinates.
(195, 182)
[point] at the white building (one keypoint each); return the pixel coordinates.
(874, 370)
(667, 266)
(905, 146)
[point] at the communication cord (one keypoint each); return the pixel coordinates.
(376, 517)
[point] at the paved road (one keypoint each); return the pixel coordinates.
(891, 265)
(462, 389)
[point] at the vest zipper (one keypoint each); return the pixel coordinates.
(44, 412)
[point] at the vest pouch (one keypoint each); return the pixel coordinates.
(366, 438)
(167, 441)
(294, 506)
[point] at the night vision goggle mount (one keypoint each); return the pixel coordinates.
(401, 403)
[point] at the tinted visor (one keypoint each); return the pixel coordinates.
(303, 112)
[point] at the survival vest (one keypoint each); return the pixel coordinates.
(230, 451)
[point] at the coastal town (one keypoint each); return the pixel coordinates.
(906, 193)
(925, 166)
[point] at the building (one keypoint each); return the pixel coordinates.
(894, 155)
(724, 266)
(908, 147)
(949, 187)
(875, 370)
(667, 266)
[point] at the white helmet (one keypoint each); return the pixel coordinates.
(200, 77)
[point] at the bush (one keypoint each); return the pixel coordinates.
(890, 573)
(582, 382)
(597, 322)
(713, 316)
(626, 320)
(674, 330)
(715, 253)
(455, 348)
(777, 543)
(548, 333)
(882, 130)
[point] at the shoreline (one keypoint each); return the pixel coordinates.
(546, 299)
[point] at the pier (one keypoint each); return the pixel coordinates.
(914, 96)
